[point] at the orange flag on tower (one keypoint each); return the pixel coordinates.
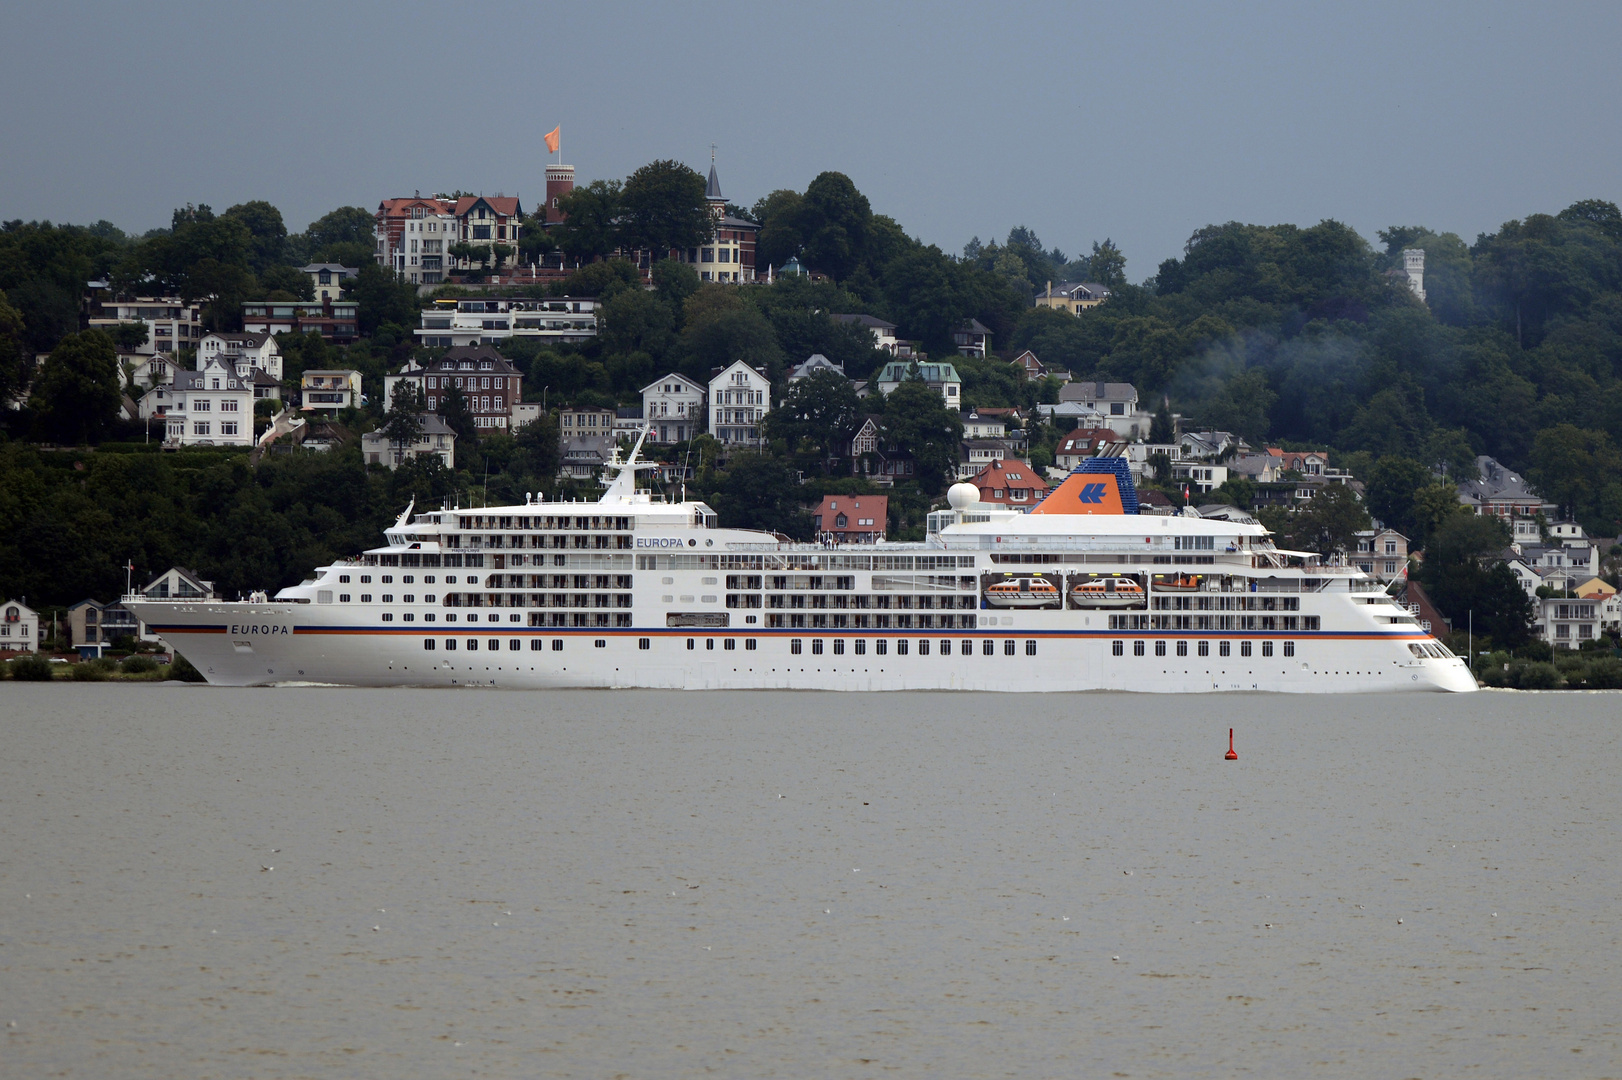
(552, 139)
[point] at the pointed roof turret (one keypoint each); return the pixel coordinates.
(712, 190)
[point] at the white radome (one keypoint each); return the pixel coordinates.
(962, 496)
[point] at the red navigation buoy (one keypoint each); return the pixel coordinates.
(1230, 755)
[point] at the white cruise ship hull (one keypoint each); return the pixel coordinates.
(266, 644)
(631, 591)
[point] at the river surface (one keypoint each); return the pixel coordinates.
(200, 882)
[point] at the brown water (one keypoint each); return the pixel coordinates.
(804, 885)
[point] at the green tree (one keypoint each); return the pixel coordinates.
(780, 238)
(917, 421)
(817, 412)
(1433, 506)
(130, 336)
(590, 226)
(1330, 522)
(1162, 429)
(1107, 265)
(15, 370)
(833, 222)
(343, 229)
(1465, 578)
(761, 492)
(382, 298)
(1392, 484)
(663, 208)
(674, 282)
(459, 418)
(635, 321)
(403, 421)
(1577, 470)
(267, 243)
(77, 395)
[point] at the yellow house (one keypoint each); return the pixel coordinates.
(1073, 296)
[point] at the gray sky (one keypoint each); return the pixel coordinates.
(1141, 122)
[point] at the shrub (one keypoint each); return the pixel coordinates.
(31, 668)
(1534, 675)
(138, 665)
(182, 669)
(89, 670)
(1605, 673)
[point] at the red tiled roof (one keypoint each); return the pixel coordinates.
(501, 204)
(1085, 439)
(857, 509)
(999, 481)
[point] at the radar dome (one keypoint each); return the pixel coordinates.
(962, 496)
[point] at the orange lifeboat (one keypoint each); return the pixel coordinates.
(1022, 593)
(1108, 592)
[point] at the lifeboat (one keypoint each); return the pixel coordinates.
(1107, 593)
(1177, 582)
(1022, 593)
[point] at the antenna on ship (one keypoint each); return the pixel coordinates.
(623, 485)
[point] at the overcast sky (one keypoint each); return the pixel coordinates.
(1140, 122)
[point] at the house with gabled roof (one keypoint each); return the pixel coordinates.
(1029, 366)
(488, 220)
(1083, 443)
(673, 408)
(851, 519)
(883, 332)
(249, 349)
(489, 384)
(178, 583)
(814, 363)
(1010, 483)
(972, 338)
(1072, 296)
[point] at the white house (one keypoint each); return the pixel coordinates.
(488, 320)
(436, 439)
(150, 371)
(212, 406)
(739, 396)
(674, 408)
(940, 377)
(883, 332)
(171, 323)
(1117, 402)
(19, 627)
(1567, 622)
(330, 390)
(258, 351)
(1382, 553)
(814, 363)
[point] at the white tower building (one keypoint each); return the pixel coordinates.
(1413, 262)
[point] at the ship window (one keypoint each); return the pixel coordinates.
(450, 644)
(366, 579)
(901, 648)
(408, 579)
(494, 644)
(1224, 648)
(839, 647)
(1182, 648)
(794, 646)
(1267, 648)
(536, 644)
(729, 644)
(366, 598)
(1244, 648)
(1030, 648)
(1008, 647)
(600, 643)
(923, 648)
(1160, 648)
(428, 643)
(816, 646)
(472, 644)
(643, 643)
(388, 616)
(1289, 648)
(989, 647)
(344, 578)
(861, 647)
(1137, 648)
(692, 643)
(709, 643)
(1309, 622)
(388, 598)
(1118, 648)
(387, 579)
(343, 598)
(968, 648)
(557, 645)
(881, 646)
(1205, 648)
(513, 645)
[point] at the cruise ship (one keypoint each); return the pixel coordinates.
(1081, 592)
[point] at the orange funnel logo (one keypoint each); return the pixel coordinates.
(1084, 493)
